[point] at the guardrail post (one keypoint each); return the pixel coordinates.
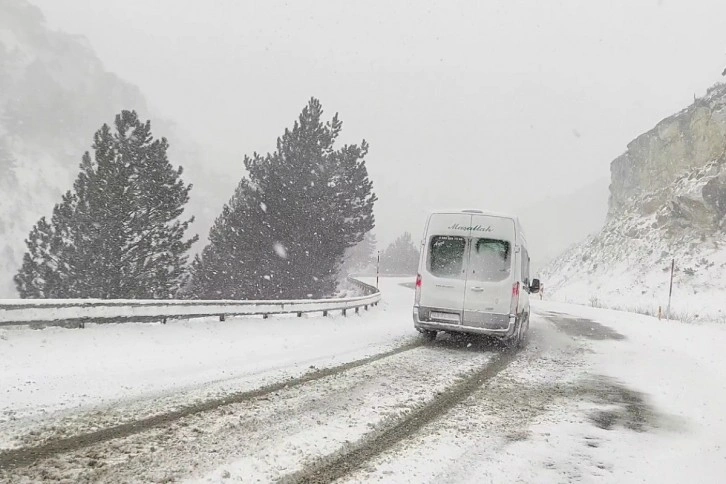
(221, 317)
(356, 309)
(325, 313)
(366, 307)
(163, 320)
(81, 324)
(345, 312)
(265, 316)
(299, 314)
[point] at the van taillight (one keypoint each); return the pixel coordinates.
(419, 283)
(515, 299)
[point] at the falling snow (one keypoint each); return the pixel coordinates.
(280, 250)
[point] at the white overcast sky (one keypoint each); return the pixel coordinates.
(491, 104)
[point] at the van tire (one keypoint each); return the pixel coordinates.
(524, 332)
(429, 335)
(515, 340)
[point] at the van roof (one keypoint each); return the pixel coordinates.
(476, 211)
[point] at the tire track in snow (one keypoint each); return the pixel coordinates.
(354, 457)
(25, 456)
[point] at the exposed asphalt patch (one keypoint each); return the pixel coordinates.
(620, 406)
(582, 327)
(24, 456)
(629, 407)
(356, 455)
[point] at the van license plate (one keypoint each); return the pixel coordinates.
(445, 316)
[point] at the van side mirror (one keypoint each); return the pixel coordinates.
(534, 287)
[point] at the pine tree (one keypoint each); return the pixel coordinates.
(400, 257)
(287, 227)
(38, 276)
(118, 234)
(360, 257)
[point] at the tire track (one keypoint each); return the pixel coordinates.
(24, 456)
(343, 463)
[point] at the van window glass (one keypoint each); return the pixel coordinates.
(525, 267)
(446, 256)
(490, 260)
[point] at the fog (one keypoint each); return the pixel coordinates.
(501, 105)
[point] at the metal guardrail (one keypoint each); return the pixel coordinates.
(64, 312)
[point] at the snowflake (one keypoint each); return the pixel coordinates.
(280, 250)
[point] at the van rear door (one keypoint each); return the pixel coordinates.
(490, 274)
(443, 271)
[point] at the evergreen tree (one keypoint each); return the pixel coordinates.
(360, 257)
(288, 225)
(400, 257)
(118, 234)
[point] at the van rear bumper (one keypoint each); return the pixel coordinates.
(501, 325)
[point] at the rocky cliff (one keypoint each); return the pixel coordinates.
(667, 201)
(685, 141)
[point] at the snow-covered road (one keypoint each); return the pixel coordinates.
(597, 396)
(118, 369)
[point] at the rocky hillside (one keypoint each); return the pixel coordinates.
(667, 201)
(54, 94)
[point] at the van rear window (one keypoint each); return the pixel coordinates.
(490, 260)
(446, 256)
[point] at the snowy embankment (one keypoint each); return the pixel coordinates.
(598, 396)
(636, 278)
(627, 265)
(46, 372)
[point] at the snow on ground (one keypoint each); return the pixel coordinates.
(696, 297)
(601, 396)
(340, 411)
(56, 371)
(679, 369)
(597, 396)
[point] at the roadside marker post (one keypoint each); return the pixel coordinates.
(378, 267)
(670, 291)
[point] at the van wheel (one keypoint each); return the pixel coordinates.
(429, 335)
(515, 340)
(524, 333)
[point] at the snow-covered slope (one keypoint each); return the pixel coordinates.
(652, 221)
(54, 94)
